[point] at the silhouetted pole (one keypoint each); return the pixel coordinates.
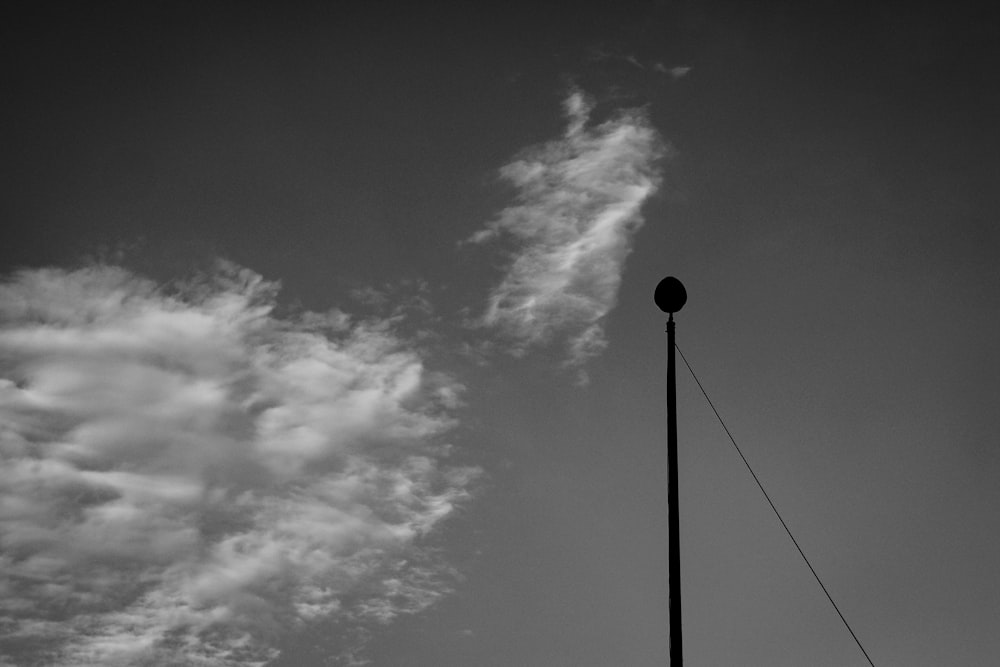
(670, 296)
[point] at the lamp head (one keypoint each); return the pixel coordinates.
(670, 295)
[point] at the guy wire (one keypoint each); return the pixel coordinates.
(773, 508)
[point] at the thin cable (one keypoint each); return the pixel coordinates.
(775, 509)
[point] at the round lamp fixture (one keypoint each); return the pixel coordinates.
(670, 295)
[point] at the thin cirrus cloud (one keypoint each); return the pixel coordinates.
(187, 477)
(579, 201)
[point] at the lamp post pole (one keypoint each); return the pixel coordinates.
(676, 653)
(670, 296)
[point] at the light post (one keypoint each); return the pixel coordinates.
(670, 297)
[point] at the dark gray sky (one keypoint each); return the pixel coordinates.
(828, 197)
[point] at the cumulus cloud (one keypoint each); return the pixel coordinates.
(187, 477)
(579, 201)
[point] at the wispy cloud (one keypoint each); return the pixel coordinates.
(579, 201)
(187, 477)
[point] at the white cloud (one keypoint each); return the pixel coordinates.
(187, 477)
(578, 204)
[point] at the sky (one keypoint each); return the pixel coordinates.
(327, 333)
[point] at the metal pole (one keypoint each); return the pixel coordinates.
(670, 296)
(676, 651)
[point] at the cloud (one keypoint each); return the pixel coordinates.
(579, 201)
(187, 478)
(676, 72)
